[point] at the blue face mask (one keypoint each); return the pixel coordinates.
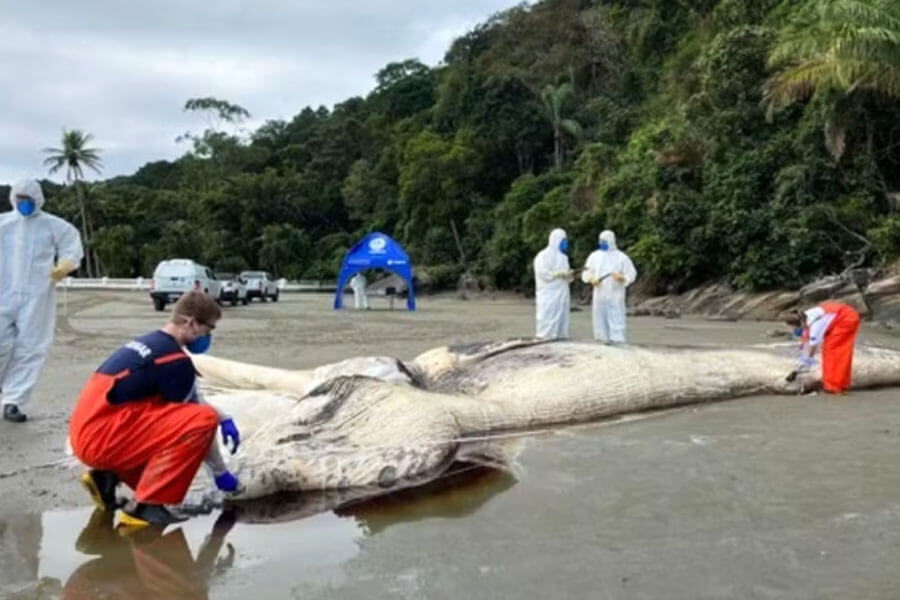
(798, 332)
(564, 246)
(603, 246)
(201, 344)
(25, 207)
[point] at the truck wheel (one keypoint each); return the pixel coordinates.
(159, 304)
(275, 297)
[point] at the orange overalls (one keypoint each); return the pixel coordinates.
(837, 347)
(154, 446)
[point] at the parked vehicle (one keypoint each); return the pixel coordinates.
(174, 277)
(234, 289)
(260, 284)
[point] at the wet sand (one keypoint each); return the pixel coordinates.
(769, 497)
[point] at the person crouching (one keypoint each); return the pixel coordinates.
(140, 419)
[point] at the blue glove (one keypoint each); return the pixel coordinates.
(226, 481)
(230, 430)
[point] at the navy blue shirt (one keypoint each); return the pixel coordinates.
(153, 365)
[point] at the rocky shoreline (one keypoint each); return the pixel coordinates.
(875, 296)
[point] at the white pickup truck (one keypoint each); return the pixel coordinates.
(260, 284)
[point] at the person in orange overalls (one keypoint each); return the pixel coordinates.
(140, 419)
(833, 326)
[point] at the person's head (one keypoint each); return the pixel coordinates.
(795, 318)
(26, 197)
(607, 240)
(559, 240)
(800, 320)
(194, 317)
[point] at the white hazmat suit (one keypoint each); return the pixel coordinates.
(552, 275)
(35, 252)
(358, 285)
(610, 271)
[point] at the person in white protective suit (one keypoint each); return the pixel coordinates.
(610, 272)
(552, 275)
(37, 249)
(358, 285)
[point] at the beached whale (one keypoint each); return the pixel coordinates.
(379, 423)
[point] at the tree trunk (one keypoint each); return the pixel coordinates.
(557, 157)
(99, 271)
(462, 254)
(88, 266)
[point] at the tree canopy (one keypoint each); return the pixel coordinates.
(750, 141)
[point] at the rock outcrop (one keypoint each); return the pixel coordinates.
(877, 299)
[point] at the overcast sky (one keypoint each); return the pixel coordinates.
(122, 70)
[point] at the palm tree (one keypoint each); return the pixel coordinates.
(846, 48)
(554, 99)
(74, 155)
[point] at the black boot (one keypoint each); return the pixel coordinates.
(12, 414)
(101, 485)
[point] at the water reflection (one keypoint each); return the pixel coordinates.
(146, 564)
(260, 549)
(459, 492)
(454, 496)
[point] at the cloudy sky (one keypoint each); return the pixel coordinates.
(122, 70)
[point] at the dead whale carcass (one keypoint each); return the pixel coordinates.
(342, 429)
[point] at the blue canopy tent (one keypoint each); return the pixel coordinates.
(376, 251)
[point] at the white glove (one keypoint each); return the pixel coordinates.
(805, 363)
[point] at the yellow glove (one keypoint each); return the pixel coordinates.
(62, 268)
(618, 277)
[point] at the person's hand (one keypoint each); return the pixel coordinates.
(805, 363)
(227, 482)
(62, 268)
(618, 277)
(230, 431)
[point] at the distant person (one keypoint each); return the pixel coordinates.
(610, 272)
(552, 276)
(37, 249)
(140, 419)
(833, 327)
(358, 285)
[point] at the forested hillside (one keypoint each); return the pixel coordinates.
(752, 141)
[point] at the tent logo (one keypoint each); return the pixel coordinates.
(377, 244)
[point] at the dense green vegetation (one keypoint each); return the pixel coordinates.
(753, 141)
